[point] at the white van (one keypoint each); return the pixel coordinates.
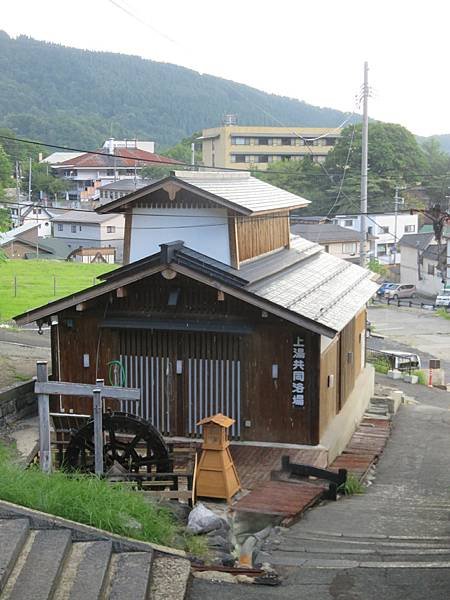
(443, 298)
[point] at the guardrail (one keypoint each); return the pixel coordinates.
(409, 303)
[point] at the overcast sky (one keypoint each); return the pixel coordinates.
(307, 49)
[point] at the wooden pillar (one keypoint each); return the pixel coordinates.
(45, 456)
(98, 431)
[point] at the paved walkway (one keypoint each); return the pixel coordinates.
(392, 543)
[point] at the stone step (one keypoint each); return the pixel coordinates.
(169, 578)
(383, 541)
(39, 565)
(84, 575)
(13, 534)
(129, 576)
(372, 552)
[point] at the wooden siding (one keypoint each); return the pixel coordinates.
(329, 393)
(266, 412)
(360, 331)
(127, 237)
(258, 235)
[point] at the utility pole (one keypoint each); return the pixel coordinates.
(364, 162)
(29, 181)
(397, 201)
(193, 154)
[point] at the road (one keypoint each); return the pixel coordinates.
(411, 329)
(19, 351)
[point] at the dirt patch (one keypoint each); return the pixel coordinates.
(18, 362)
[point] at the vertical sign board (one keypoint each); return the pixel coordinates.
(298, 371)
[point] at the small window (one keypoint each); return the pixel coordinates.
(349, 248)
(60, 226)
(111, 229)
(327, 248)
(263, 159)
(79, 228)
(384, 229)
(238, 158)
(431, 269)
(240, 141)
(110, 172)
(73, 228)
(263, 141)
(370, 230)
(287, 141)
(410, 228)
(348, 223)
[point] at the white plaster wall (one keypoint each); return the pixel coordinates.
(154, 226)
(85, 231)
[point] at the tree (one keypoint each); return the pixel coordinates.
(5, 220)
(395, 158)
(43, 181)
(183, 150)
(436, 180)
(5, 168)
(155, 172)
(304, 178)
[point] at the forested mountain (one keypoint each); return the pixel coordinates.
(77, 97)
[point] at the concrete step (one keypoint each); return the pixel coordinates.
(298, 561)
(84, 574)
(13, 534)
(38, 566)
(169, 578)
(129, 576)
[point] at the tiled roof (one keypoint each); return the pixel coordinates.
(243, 190)
(122, 157)
(15, 233)
(322, 287)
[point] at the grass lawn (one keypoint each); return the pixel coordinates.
(27, 284)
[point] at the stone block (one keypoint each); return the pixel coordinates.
(394, 374)
(410, 378)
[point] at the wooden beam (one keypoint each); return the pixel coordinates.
(86, 389)
(127, 236)
(45, 455)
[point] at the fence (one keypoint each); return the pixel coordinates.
(384, 361)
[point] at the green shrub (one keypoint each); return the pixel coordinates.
(421, 377)
(86, 499)
(381, 365)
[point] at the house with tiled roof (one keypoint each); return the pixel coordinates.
(89, 171)
(423, 262)
(219, 308)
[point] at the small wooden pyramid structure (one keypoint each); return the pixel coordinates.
(216, 474)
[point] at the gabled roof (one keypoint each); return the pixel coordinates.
(238, 191)
(419, 241)
(303, 284)
(82, 216)
(122, 157)
(15, 233)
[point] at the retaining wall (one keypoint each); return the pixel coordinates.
(17, 401)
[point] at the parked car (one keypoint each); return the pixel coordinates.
(401, 290)
(443, 298)
(387, 285)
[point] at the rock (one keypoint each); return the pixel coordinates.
(244, 579)
(220, 543)
(215, 576)
(203, 520)
(131, 523)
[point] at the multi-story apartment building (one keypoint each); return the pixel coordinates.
(241, 147)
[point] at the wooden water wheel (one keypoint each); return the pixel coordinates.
(130, 444)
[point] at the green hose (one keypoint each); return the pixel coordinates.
(122, 370)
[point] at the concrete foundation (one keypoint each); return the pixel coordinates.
(345, 422)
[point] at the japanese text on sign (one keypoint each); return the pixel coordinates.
(298, 372)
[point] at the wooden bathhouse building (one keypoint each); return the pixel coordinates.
(219, 309)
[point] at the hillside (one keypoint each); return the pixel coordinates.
(79, 98)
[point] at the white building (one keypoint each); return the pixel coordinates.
(88, 172)
(386, 230)
(87, 229)
(42, 217)
(419, 264)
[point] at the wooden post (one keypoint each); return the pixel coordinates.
(45, 456)
(98, 431)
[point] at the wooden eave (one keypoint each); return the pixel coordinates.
(125, 203)
(44, 312)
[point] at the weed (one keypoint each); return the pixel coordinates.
(85, 499)
(196, 545)
(421, 377)
(443, 312)
(381, 365)
(351, 486)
